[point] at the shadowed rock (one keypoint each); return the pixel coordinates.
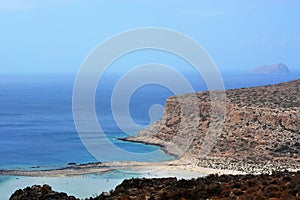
(37, 192)
(278, 185)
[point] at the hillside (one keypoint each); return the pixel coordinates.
(260, 132)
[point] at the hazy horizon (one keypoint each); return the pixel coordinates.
(46, 37)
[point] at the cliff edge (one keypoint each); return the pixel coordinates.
(260, 132)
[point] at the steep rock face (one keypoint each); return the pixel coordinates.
(261, 129)
(279, 68)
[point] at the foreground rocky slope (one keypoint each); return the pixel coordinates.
(260, 133)
(279, 186)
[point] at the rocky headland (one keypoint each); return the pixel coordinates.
(260, 131)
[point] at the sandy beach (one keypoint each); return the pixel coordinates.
(156, 168)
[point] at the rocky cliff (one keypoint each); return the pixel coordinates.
(260, 132)
(278, 68)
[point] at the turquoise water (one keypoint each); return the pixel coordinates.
(96, 183)
(71, 185)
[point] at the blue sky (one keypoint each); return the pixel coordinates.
(55, 36)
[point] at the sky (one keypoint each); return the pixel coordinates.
(56, 36)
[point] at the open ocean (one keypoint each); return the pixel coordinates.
(37, 127)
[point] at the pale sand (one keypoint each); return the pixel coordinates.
(181, 168)
(180, 165)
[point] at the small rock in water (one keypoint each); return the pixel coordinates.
(72, 163)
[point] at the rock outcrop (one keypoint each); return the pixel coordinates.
(279, 185)
(278, 68)
(260, 133)
(38, 192)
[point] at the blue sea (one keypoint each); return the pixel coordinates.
(37, 126)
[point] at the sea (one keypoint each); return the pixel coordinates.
(37, 128)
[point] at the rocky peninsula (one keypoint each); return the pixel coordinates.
(260, 133)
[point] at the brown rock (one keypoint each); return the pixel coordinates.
(262, 125)
(37, 192)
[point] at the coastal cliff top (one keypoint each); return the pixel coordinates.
(260, 131)
(277, 96)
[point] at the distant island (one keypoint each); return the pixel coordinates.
(278, 68)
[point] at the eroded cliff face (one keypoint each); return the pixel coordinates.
(261, 128)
